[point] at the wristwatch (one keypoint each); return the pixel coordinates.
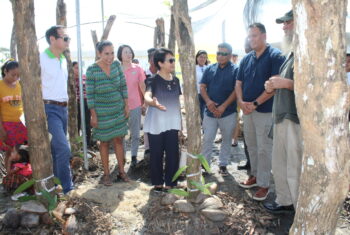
(256, 104)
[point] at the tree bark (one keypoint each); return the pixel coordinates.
(95, 41)
(61, 19)
(172, 39)
(13, 49)
(322, 99)
(28, 54)
(184, 38)
(159, 34)
(105, 34)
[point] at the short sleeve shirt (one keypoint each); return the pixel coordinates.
(11, 107)
(167, 94)
(133, 76)
(253, 72)
(220, 83)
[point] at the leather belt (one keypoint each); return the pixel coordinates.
(64, 104)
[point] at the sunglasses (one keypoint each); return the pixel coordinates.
(65, 38)
(222, 53)
(172, 60)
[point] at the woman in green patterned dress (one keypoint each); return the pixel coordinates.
(107, 99)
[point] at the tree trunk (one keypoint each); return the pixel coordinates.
(159, 34)
(61, 19)
(171, 42)
(28, 54)
(13, 49)
(322, 99)
(184, 38)
(105, 34)
(95, 41)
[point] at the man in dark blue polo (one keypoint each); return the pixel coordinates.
(217, 88)
(256, 68)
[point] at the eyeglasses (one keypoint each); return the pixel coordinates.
(222, 53)
(171, 60)
(65, 38)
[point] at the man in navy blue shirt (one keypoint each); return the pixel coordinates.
(218, 91)
(256, 68)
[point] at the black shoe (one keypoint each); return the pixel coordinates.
(133, 161)
(275, 208)
(223, 171)
(244, 167)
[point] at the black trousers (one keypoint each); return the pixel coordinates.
(166, 142)
(87, 122)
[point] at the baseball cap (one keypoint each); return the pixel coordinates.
(288, 16)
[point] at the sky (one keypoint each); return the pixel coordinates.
(135, 22)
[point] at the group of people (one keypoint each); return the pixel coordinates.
(262, 87)
(117, 93)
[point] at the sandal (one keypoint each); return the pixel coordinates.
(124, 177)
(158, 188)
(106, 180)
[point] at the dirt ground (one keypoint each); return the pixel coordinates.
(132, 208)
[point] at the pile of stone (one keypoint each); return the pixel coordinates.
(210, 207)
(32, 214)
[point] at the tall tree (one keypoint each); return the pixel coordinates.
(61, 19)
(184, 39)
(159, 34)
(13, 49)
(28, 54)
(322, 99)
(172, 39)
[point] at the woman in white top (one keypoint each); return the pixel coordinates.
(201, 65)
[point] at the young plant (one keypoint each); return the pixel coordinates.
(52, 200)
(201, 186)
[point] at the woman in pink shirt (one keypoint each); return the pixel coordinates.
(135, 77)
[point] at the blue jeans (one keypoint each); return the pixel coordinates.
(57, 119)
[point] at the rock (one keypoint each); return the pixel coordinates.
(33, 207)
(12, 218)
(183, 206)
(214, 214)
(30, 220)
(46, 219)
(211, 203)
(200, 198)
(213, 188)
(169, 199)
(70, 226)
(70, 211)
(44, 231)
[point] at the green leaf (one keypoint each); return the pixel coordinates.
(57, 181)
(178, 173)
(49, 198)
(179, 192)
(208, 184)
(54, 204)
(204, 162)
(27, 198)
(24, 186)
(203, 180)
(200, 187)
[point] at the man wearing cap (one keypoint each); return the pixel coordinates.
(217, 88)
(54, 78)
(287, 140)
(255, 68)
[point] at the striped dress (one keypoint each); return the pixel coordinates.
(106, 95)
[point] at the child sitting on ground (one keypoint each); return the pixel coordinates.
(20, 170)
